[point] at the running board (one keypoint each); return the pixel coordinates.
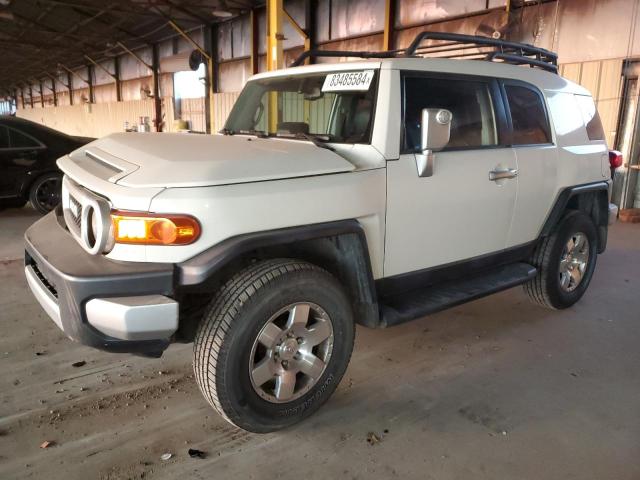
(414, 304)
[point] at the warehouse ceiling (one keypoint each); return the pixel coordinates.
(38, 35)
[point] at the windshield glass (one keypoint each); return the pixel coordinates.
(337, 106)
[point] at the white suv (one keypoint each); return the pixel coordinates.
(371, 192)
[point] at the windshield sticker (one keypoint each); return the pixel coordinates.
(348, 81)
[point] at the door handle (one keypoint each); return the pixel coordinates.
(503, 173)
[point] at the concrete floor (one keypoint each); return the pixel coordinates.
(13, 223)
(496, 389)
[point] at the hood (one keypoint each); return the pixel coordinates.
(190, 160)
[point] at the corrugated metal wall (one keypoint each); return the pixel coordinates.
(91, 120)
(604, 80)
(191, 110)
(223, 103)
(591, 37)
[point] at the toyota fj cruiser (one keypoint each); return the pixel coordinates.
(372, 192)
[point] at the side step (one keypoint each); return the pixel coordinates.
(414, 304)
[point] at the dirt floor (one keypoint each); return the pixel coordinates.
(496, 389)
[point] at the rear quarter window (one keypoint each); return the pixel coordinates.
(590, 116)
(528, 116)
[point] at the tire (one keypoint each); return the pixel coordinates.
(45, 192)
(550, 288)
(231, 353)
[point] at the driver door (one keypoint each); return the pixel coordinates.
(458, 213)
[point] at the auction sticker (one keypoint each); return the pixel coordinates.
(348, 81)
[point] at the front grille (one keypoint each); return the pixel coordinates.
(79, 203)
(44, 280)
(76, 207)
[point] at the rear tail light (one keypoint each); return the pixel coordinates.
(615, 158)
(152, 229)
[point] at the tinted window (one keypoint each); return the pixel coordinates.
(528, 116)
(4, 137)
(19, 140)
(473, 123)
(590, 117)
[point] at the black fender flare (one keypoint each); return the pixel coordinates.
(599, 214)
(344, 241)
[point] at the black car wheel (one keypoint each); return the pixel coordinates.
(45, 192)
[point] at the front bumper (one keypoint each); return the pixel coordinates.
(106, 304)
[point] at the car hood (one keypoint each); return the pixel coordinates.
(191, 160)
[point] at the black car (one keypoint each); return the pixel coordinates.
(28, 170)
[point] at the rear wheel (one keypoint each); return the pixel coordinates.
(565, 261)
(274, 344)
(45, 193)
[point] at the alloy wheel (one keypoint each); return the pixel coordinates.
(574, 261)
(291, 352)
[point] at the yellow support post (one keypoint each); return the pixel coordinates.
(275, 59)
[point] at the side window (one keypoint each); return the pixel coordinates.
(4, 137)
(20, 140)
(530, 125)
(473, 123)
(590, 117)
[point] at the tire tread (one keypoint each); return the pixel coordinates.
(218, 318)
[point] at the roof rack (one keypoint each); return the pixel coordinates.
(456, 45)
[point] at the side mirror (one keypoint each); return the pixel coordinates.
(435, 130)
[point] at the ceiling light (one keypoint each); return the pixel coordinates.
(219, 12)
(222, 10)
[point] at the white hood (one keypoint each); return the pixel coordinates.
(189, 160)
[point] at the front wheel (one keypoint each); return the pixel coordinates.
(274, 344)
(565, 261)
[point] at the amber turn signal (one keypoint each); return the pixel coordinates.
(152, 229)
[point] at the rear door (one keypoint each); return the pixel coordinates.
(537, 159)
(458, 213)
(7, 171)
(19, 154)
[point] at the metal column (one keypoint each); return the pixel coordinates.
(275, 60)
(389, 22)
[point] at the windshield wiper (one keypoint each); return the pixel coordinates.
(257, 133)
(318, 140)
(226, 131)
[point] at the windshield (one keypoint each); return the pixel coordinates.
(336, 107)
